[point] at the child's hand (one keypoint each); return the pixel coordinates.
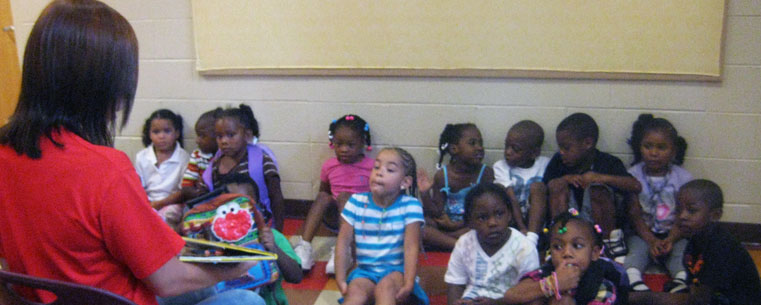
(590, 178)
(424, 183)
(574, 180)
(404, 293)
(342, 287)
(568, 276)
(267, 239)
(484, 301)
(664, 247)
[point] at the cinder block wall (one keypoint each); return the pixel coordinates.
(721, 121)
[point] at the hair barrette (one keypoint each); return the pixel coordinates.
(367, 127)
(598, 229)
(350, 118)
(255, 140)
(562, 230)
(334, 121)
(444, 146)
(546, 230)
(573, 211)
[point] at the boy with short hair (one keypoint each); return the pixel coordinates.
(720, 270)
(520, 172)
(593, 182)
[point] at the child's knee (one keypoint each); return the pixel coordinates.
(538, 188)
(557, 186)
(389, 285)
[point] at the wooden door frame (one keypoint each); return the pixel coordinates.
(10, 82)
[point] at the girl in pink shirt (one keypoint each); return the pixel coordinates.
(341, 176)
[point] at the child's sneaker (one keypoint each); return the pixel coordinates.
(330, 267)
(639, 286)
(303, 250)
(675, 286)
(615, 246)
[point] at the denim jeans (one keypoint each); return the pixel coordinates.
(209, 296)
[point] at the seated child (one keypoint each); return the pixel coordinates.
(521, 173)
(491, 257)
(577, 274)
(287, 261)
(588, 180)
(199, 160)
(384, 224)
(237, 133)
(161, 164)
(720, 270)
(345, 174)
(658, 152)
(444, 206)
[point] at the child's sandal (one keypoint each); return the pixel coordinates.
(639, 286)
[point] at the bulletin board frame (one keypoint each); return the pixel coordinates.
(588, 39)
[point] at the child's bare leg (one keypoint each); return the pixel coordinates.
(359, 292)
(315, 215)
(538, 208)
(434, 237)
(341, 200)
(385, 291)
(603, 208)
(559, 192)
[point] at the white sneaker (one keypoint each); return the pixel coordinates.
(330, 267)
(303, 250)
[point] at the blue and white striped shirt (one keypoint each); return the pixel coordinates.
(378, 231)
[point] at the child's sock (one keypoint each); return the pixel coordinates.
(681, 275)
(635, 280)
(533, 237)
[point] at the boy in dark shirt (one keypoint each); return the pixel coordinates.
(593, 182)
(719, 269)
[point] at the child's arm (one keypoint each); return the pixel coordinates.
(517, 215)
(635, 218)
(411, 251)
(624, 183)
(432, 198)
(276, 199)
(343, 253)
(290, 269)
(454, 293)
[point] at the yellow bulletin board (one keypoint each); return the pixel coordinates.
(615, 39)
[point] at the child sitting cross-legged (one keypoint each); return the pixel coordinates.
(521, 173)
(491, 257)
(577, 274)
(593, 182)
(719, 269)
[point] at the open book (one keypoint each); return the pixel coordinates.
(204, 251)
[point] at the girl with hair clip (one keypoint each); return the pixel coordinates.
(577, 274)
(658, 151)
(72, 208)
(445, 204)
(237, 133)
(345, 174)
(162, 163)
(384, 225)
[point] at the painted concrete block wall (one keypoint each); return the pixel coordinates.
(721, 121)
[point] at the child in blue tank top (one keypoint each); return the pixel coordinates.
(444, 207)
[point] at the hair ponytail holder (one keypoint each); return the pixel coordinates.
(255, 140)
(367, 127)
(598, 229)
(369, 147)
(444, 146)
(573, 211)
(334, 121)
(350, 118)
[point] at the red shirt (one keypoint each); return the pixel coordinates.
(79, 214)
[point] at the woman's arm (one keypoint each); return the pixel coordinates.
(411, 251)
(343, 253)
(176, 277)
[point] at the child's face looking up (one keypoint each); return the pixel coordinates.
(490, 218)
(232, 138)
(348, 145)
(205, 139)
(163, 135)
(694, 214)
(518, 150)
(657, 151)
(575, 247)
(470, 147)
(572, 150)
(388, 177)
